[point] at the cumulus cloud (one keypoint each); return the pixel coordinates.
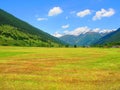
(104, 13)
(41, 19)
(55, 11)
(65, 26)
(56, 34)
(75, 32)
(78, 31)
(84, 13)
(96, 30)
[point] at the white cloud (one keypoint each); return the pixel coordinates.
(104, 13)
(96, 30)
(77, 31)
(55, 11)
(84, 13)
(56, 34)
(65, 26)
(41, 19)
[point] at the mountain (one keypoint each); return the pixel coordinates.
(110, 39)
(84, 39)
(14, 31)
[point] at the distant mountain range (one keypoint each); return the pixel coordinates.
(16, 32)
(84, 39)
(93, 38)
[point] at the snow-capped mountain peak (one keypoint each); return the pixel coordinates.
(82, 30)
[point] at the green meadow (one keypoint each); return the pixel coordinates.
(34, 68)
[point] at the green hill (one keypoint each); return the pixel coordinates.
(15, 32)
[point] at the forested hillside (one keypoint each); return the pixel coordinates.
(14, 31)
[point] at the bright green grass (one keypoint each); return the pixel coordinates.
(33, 68)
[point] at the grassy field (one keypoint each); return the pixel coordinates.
(33, 68)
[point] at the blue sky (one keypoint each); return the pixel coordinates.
(66, 16)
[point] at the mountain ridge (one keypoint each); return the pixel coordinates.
(110, 39)
(85, 39)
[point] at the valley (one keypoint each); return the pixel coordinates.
(59, 45)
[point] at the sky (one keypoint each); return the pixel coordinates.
(60, 17)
